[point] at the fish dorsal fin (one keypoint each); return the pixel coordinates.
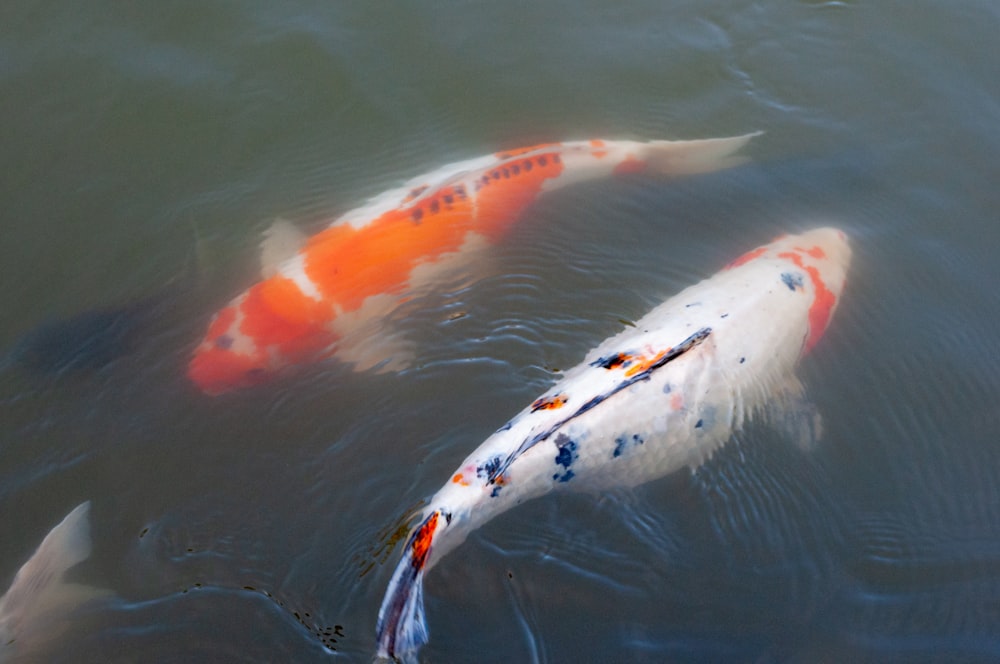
(630, 378)
(792, 413)
(368, 337)
(280, 242)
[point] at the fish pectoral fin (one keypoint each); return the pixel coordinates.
(280, 242)
(792, 413)
(386, 350)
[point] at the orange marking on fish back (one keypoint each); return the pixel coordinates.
(619, 360)
(350, 264)
(549, 403)
(506, 191)
(508, 154)
(422, 540)
(459, 478)
(630, 165)
(747, 257)
(645, 363)
(597, 144)
(823, 303)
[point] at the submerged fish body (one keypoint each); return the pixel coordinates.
(658, 397)
(321, 300)
(40, 597)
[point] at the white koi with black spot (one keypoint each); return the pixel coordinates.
(658, 397)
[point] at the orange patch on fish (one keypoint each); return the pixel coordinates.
(214, 370)
(645, 363)
(422, 540)
(507, 190)
(747, 257)
(351, 264)
(549, 403)
(459, 478)
(508, 154)
(629, 165)
(823, 303)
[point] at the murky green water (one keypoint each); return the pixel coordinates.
(145, 147)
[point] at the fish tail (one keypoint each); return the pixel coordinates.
(402, 625)
(694, 157)
(39, 588)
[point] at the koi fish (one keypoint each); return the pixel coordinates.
(321, 295)
(658, 397)
(40, 596)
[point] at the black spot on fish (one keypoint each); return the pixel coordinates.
(515, 169)
(528, 166)
(692, 304)
(698, 424)
(448, 199)
(793, 281)
(460, 191)
(487, 469)
(496, 491)
(543, 161)
(506, 426)
(224, 341)
(506, 173)
(724, 316)
(621, 442)
(435, 206)
(417, 215)
(691, 342)
(495, 175)
(742, 360)
(613, 361)
(565, 457)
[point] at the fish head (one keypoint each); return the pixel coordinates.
(257, 335)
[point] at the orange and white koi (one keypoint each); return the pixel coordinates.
(658, 397)
(320, 301)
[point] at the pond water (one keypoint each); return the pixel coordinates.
(147, 147)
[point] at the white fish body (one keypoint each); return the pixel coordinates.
(40, 596)
(656, 398)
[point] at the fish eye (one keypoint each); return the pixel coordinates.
(224, 342)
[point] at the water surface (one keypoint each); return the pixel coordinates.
(146, 148)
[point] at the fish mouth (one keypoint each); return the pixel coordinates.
(216, 371)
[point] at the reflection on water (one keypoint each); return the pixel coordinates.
(245, 528)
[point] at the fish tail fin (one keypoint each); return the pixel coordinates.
(695, 157)
(39, 588)
(402, 625)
